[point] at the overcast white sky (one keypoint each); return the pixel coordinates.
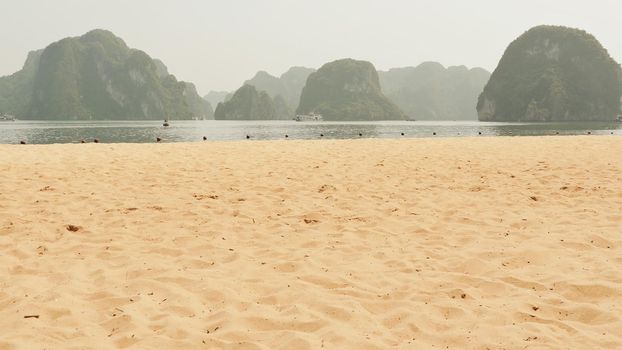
(219, 44)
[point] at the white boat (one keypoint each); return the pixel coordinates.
(311, 117)
(7, 118)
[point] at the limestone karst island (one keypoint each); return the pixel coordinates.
(310, 175)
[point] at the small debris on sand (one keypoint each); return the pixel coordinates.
(72, 228)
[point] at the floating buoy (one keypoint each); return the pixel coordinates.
(204, 138)
(321, 135)
(22, 142)
(95, 140)
(360, 134)
(434, 133)
(402, 134)
(247, 137)
(479, 132)
(286, 136)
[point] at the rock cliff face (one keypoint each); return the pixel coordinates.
(201, 107)
(347, 90)
(433, 92)
(288, 86)
(16, 89)
(249, 104)
(553, 74)
(96, 76)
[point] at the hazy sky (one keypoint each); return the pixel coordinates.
(219, 44)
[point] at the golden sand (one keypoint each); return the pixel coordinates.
(487, 243)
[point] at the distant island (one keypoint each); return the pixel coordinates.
(347, 89)
(289, 85)
(553, 73)
(550, 73)
(97, 76)
(433, 92)
(247, 103)
(426, 92)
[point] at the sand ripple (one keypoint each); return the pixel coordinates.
(494, 243)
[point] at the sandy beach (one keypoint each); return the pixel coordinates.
(457, 243)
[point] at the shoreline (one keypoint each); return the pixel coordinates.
(459, 242)
(324, 139)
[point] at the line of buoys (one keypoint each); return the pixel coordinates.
(158, 139)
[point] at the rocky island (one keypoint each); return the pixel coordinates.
(553, 73)
(347, 89)
(289, 85)
(97, 76)
(247, 103)
(432, 92)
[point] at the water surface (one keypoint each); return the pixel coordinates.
(46, 132)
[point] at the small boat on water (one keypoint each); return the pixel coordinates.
(312, 117)
(7, 118)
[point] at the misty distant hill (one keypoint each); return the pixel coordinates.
(248, 103)
(553, 73)
(432, 92)
(289, 85)
(347, 89)
(97, 76)
(215, 97)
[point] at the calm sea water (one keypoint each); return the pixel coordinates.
(45, 132)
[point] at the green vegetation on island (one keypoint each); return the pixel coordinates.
(433, 92)
(347, 90)
(553, 73)
(249, 104)
(97, 76)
